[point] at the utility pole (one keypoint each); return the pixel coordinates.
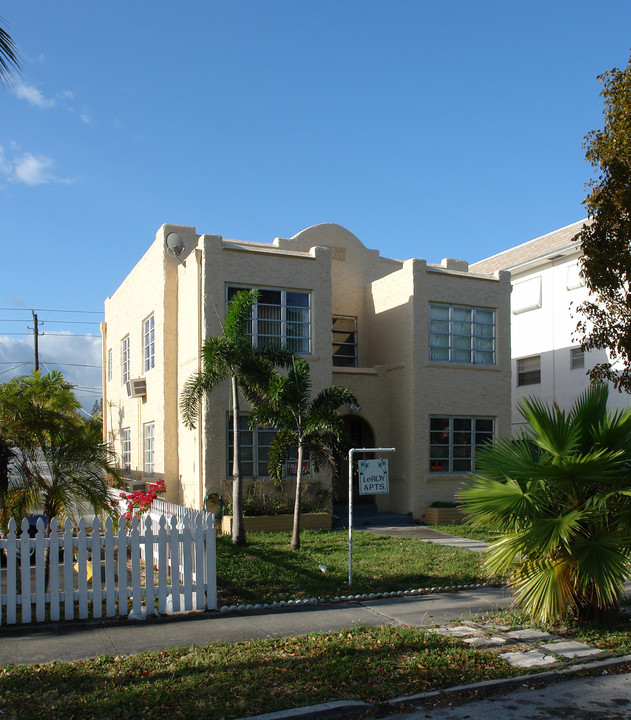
(35, 342)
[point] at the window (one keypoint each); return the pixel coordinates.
(529, 371)
(254, 445)
(574, 281)
(126, 450)
(526, 295)
(344, 341)
(149, 343)
(454, 441)
(462, 334)
(281, 316)
(149, 434)
(577, 359)
(109, 365)
(125, 360)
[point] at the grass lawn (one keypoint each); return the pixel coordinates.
(220, 681)
(267, 570)
(467, 531)
(229, 681)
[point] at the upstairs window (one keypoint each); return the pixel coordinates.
(461, 334)
(344, 341)
(125, 360)
(149, 343)
(280, 316)
(529, 371)
(577, 359)
(454, 441)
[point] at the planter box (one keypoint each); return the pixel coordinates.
(443, 516)
(279, 523)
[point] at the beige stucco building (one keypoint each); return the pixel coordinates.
(425, 348)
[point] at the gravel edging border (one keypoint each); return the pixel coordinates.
(354, 598)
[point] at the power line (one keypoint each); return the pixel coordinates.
(58, 322)
(83, 312)
(52, 334)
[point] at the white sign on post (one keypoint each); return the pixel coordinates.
(373, 477)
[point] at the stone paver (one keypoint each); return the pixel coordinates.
(531, 658)
(530, 635)
(480, 642)
(457, 631)
(571, 649)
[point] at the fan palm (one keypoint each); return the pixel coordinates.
(313, 426)
(560, 497)
(9, 57)
(232, 355)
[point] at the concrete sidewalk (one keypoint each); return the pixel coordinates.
(37, 643)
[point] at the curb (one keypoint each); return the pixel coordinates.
(354, 708)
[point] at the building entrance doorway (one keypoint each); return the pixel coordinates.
(359, 434)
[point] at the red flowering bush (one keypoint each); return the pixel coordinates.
(139, 502)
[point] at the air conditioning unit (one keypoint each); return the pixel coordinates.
(137, 387)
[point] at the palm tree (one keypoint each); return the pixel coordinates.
(313, 426)
(560, 497)
(232, 355)
(26, 404)
(9, 57)
(65, 468)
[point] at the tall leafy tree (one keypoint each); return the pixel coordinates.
(29, 405)
(232, 356)
(313, 426)
(560, 498)
(9, 56)
(606, 238)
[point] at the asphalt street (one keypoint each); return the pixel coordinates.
(605, 697)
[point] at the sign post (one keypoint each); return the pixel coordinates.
(373, 480)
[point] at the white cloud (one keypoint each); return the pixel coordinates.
(33, 170)
(87, 119)
(64, 352)
(33, 96)
(29, 169)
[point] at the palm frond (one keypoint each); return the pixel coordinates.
(545, 588)
(549, 427)
(283, 443)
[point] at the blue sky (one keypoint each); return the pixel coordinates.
(428, 129)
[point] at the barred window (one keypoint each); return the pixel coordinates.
(454, 441)
(281, 316)
(149, 343)
(126, 450)
(462, 334)
(125, 360)
(149, 437)
(254, 446)
(344, 341)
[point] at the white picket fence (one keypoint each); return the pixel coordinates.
(96, 572)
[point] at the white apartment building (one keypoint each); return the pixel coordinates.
(547, 360)
(425, 348)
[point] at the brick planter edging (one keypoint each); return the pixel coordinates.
(443, 516)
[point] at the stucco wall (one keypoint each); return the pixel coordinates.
(398, 388)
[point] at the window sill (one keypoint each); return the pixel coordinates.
(461, 366)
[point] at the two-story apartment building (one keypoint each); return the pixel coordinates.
(547, 359)
(425, 348)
